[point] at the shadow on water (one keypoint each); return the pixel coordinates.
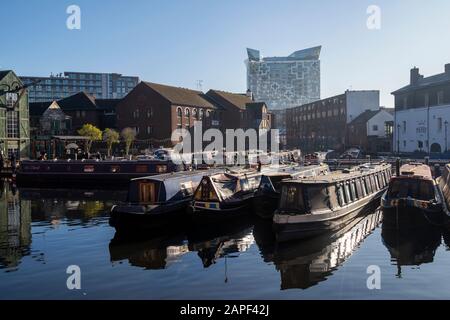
(305, 263)
(412, 237)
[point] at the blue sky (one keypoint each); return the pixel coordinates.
(178, 42)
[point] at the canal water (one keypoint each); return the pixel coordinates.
(43, 232)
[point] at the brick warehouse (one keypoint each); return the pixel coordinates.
(156, 110)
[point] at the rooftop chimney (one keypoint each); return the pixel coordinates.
(447, 68)
(415, 75)
(250, 94)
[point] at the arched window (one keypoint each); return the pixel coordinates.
(179, 117)
(195, 114)
(187, 114)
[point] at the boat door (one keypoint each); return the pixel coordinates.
(147, 192)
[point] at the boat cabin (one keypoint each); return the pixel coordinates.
(415, 181)
(334, 191)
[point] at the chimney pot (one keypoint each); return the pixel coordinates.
(415, 76)
(447, 68)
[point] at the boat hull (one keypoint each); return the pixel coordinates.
(265, 204)
(129, 218)
(312, 227)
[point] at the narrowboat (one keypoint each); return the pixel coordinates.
(312, 206)
(413, 188)
(158, 200)
(89, 173)
(444, 187)
(266, 198)
(226, 194)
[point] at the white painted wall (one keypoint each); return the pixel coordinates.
(379, 120)
(416, 128)
(360, 101)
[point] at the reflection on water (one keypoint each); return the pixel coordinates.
(303, 264)
(44, 231)
(15, 228)
(413, 240)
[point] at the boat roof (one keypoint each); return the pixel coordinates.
(179, 175)
(293, 170)
(341, 175)
(416, 170)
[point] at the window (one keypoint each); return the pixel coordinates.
(12, 122)
(341, 198)
(427, 100)
(353, 190)
(149, 130)
(179, 117)
(292, 199)
(440, 98)
(200, 114)
(374, 127)
(404, 126)
(136, 114)
(83, 114)
(347, 195)
(11, 99)
(439, 124)
(187, 114)
(149, 112)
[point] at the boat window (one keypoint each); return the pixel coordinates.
(340, 195)
(88, 168)
(266, 184)
(367, 185)
(364, 187)
(147, 192)
(115, 169)
(348, 199)
(141, 168)
(227, 188)
(375, 182)
(333, 197)
(414, 188)
(359, 190)
(318, 198)
(353, 190)
(371, 184)
(205, 192)
(292, 199)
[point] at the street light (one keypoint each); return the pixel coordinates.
(446, 128)
(398, 139)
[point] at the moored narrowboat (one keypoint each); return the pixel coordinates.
(89, 173)
(227, 194)
(266, 198)
(309, 207)
(157, 200)
(444, 188)
(413, 187)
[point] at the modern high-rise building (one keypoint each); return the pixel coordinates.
(99, 85)
(284, 82)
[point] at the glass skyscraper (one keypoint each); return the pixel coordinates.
(284, 82)
(100, 85)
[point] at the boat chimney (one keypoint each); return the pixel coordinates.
(397, 167)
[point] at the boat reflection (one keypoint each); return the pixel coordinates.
(303, 264)
(411, 242)
(15, 227)
(157, 252)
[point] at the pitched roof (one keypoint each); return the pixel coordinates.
(364, 117)
(238, 100)
(107, 104)
(78, 101)
(181, 96)
(3, 73)
(38, 108)
(422, 82)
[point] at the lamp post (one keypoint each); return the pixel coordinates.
(398, 139)
(446, 128)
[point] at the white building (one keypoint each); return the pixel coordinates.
(422, 114)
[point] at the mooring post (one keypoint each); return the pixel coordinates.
(397, 167)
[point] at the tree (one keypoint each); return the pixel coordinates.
(128, 135)
(92, 133)
(110, 136)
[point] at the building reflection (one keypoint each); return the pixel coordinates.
(410, 242)
(54, 205)
(15, 227)
(305, 263)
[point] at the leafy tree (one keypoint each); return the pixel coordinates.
(92, 133)
(110, 136)
(128, 135)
